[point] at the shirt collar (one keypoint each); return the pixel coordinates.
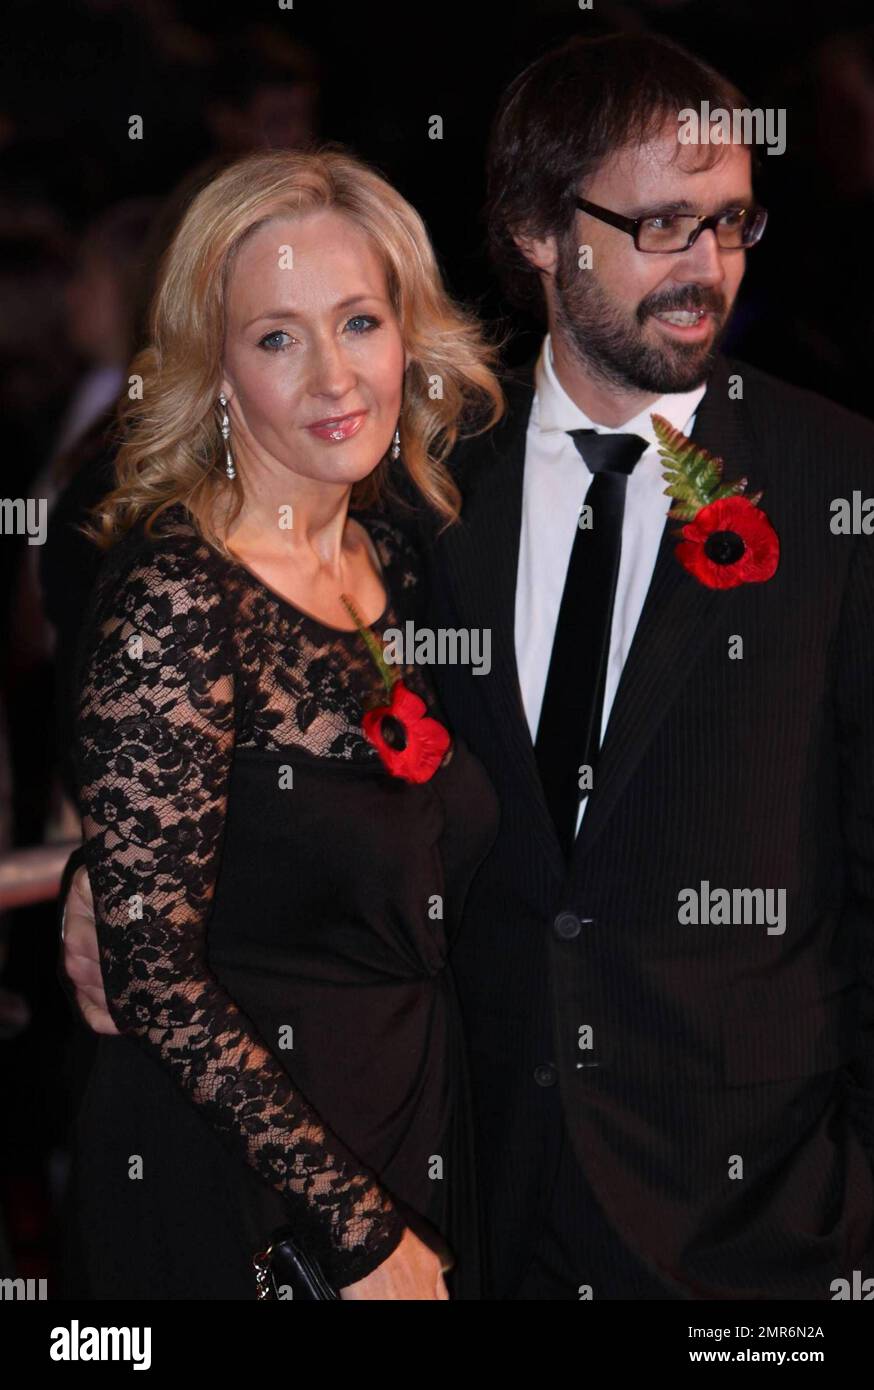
(555, 411)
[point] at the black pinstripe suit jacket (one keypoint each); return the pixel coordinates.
(724, 1112)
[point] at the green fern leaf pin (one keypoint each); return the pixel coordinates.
(389, 674)
(693, 476)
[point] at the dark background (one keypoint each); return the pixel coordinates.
(211, 82)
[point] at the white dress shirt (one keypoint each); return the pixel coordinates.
(555, 483)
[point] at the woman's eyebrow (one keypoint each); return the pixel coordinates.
(289, 313)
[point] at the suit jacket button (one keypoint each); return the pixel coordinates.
(545, 1074)
(566, 926)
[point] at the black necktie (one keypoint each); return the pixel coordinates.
(569, 731)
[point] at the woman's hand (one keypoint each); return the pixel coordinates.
(412, 1271)
(81, 954)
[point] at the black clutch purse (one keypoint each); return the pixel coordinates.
(284, 1265)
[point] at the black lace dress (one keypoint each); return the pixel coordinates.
(274, 913)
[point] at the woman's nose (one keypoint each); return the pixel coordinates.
(331, 373)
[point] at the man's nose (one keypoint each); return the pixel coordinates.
(703, 261)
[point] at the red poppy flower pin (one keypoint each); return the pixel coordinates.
(727, 540)
(411, 744)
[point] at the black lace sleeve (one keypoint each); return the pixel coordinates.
(155, 735)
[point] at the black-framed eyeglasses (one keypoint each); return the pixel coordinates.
(664, 233)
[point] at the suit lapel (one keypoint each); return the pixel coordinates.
(673, 626)
(480, 558)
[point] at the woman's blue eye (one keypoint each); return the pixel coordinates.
(367, 319)
(266, 341)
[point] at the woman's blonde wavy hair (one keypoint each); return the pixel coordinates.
(171, 440)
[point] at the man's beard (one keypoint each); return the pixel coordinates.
(612, 346)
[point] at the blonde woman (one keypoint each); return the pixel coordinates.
(275, 888)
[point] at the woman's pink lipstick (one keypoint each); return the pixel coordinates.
(338, 428)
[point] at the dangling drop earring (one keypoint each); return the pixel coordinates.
(395, 449)
(226, 436)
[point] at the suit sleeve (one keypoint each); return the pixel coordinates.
(855, 719)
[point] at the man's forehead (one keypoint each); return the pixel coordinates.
(662, 165)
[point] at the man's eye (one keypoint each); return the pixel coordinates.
(269, 341)
(662, 221)
(367, 320)
(733, 218)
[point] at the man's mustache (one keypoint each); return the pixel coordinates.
(710, 300)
